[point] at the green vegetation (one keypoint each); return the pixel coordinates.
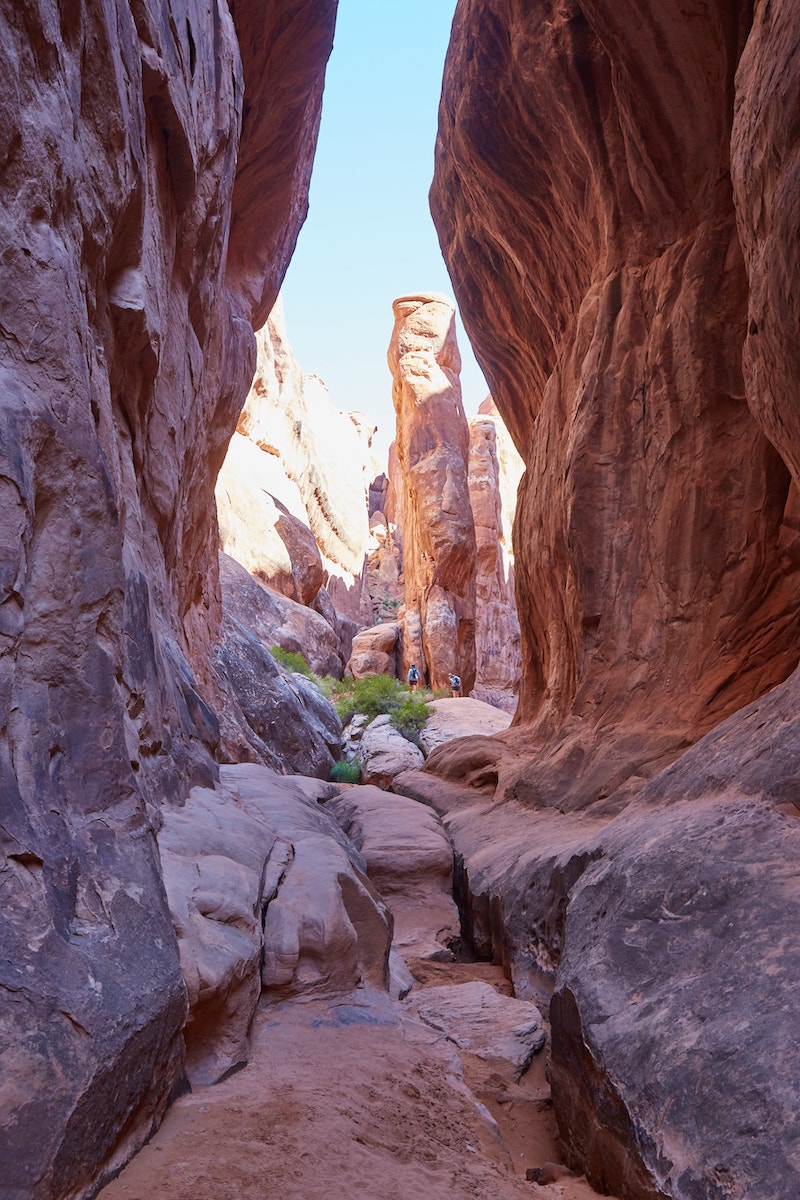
(346, 771)
(371, 696)
(378, 694)
(291, 660)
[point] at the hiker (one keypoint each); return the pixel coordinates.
(413, 677)
(455, 684)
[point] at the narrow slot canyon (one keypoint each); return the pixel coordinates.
(399, 688)
(434, 1087)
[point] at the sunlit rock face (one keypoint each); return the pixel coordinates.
(141, 240)
(432, 445)
(296, 442)
(590, 232)
(621, 232)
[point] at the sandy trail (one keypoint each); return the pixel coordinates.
(358, 1099)
(353, 1099)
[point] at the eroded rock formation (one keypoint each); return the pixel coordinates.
(142, 237)
(492, 495)
(432, 443)
(312, 450)
(618, 233)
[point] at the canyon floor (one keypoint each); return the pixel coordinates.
(359, 1098)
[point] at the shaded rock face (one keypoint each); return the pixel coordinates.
(139, 238)
(596, 259)
(623, 247)
(498, 660)
(439, 549)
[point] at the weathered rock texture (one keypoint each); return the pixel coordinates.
(498, 662)
(141, 237)
(264, 888)
(432, 443)
(409, 859)
(618, 233)
(594, 251)
(290, 428)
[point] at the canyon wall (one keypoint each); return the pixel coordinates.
(616, 197)
(494, 470)
(312, 452)
(432, 445)
(155, 168)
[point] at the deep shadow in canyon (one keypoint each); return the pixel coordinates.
(616, 194)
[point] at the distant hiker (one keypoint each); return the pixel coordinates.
(455, 684)
(413, 677)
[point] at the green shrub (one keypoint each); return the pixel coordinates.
(346, 770)
(329, 685)
(410, 717)
(291, 660)
(378, 694)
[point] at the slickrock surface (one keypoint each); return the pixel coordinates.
(355, 1097)
(460, 717)
(139, 237)
(409, 859)
(383, 752)
(622, 241)
(439, 550)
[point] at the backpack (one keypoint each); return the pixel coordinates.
(413, 675)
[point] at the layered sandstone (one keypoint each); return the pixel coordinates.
(610, 276)
(439, 549)
(141, 237)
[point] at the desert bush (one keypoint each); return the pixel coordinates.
(376, 694)
(346, 770)
(291, 660)
(410, 716)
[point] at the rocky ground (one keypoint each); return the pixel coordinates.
(427, 1097)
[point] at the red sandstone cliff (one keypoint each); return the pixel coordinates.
(616, 195)
(155, 161)
(439, 550)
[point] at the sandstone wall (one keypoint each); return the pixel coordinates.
(324, 452)
(432, 444)
(620, 230)
(591, 235)
(494, 472)
(140, 239)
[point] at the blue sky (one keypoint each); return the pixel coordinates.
(369, 236)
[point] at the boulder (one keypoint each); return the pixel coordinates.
(374, 651)
(458, 718)
(383, 752)
(264, 891)
(409, 859)
(483, 1022)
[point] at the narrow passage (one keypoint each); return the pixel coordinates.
(371, 1097)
